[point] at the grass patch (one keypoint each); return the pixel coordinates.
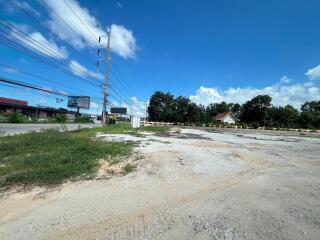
(51, 157)
(155, 129)
(128, 168)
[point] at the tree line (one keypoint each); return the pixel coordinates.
(258, 111)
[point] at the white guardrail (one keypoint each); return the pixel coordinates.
(235, 126)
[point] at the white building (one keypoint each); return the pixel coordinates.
(226, 117)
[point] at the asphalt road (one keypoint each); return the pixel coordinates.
(11, 129)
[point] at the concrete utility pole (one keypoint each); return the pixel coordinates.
(105, 87)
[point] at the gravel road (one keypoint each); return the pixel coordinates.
(10, 129)
(188, 185)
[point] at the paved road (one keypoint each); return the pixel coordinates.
(10, 129)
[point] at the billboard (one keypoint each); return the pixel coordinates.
(119, 110)
(79, 102)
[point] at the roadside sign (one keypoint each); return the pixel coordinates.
(119, 110)
(79, 102)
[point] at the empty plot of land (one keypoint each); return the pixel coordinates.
(189, 184)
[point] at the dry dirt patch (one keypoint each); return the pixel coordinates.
(188, 185)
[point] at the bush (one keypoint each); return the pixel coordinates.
(255, 124)
(112, 120)
(33, 119)
(61, 118)
(3, 118)
(16, 118)
(82, 119)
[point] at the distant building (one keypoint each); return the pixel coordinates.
(226, 117)
(8, 105)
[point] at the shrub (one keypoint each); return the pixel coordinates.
(82, 119)
(3, 118)
(255, 124)
(112, 120)
(16, 118)
(33, 119)
(61, 118)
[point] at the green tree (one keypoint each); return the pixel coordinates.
(310, 115)
(162, 107)
(256, 110)
(286, 117)
(182, 108)
(215, 108)
(236, 109)
(313, 106)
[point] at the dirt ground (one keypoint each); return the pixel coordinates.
(191, 184)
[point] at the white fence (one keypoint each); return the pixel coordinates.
(232, 126)
(158, 124)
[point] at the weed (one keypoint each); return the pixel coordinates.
(111, 172)
(52, 157)
(128, 168)
(156, 129)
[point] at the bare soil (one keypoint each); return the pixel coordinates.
(192, 184)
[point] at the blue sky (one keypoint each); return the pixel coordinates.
(210, 51)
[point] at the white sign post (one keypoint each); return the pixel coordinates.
(135, 121)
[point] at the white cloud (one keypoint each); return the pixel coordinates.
(134, 106)
(54, 50)
(282, 94)
(206, 96)
(122, 41)
(86, 29)
(314, 73)
(81, 70)
(26, 6)
(36, 40)
(285, 79)
(137, 107)
(119, 4)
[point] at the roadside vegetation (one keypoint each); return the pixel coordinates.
(59, 118)
(257, 112)
(51, 157)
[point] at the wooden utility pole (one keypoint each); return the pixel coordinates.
(105, 87)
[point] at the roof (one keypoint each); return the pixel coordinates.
(13, 101)
(222, 116)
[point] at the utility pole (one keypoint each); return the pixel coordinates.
(105, 86)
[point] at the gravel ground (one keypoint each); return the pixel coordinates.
(189, 185)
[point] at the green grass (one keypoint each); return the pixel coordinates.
(155, 129)
(52, 157)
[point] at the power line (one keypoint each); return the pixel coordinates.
(40, 58)
(43, 48)
(46, 61)
(42, 89)
(32, 16)
(87, 28)
(95, 38)
(130, 89)
(33, 76)
(22, 84)
(50, 9)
